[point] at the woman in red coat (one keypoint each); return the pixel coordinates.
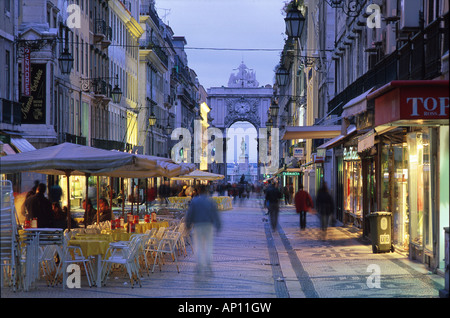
(303, 203)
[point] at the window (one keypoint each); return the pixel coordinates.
(76, 54)
(82, 57)
(7, 74)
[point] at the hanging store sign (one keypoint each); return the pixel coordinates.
(27, 71)
(299, 152)
(404, 102)
(350, 153)
(33, 107)
(289, 173)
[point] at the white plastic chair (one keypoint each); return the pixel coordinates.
(167, 245)
(47, 262)
(73, 255)
(128, 258)
(9, 250)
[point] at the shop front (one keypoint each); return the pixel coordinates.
(411, 119)
(353, 186)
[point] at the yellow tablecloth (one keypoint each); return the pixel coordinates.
(180, 202)
(118, 234)
(223, 203)
(91, 246)
(141, 228)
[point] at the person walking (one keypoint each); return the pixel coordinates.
(203, 217)
(273, 195)
(325, 208)
(38, 206)
(303, 203)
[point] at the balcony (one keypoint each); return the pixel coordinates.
(10, 112)
(102, 33)
(110, 144)
(146, 9)
(418, 59)
(79, 140)
(157, 50)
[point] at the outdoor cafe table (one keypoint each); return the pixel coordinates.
(118, 234)
(94, 245)
(223, 202)
(142, 227)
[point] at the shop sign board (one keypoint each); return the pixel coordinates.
(412, 102)
(34, 106)
(26, 71)
(299, 152)
(291, 173)
(350, 153)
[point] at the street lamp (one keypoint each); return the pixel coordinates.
(274, 110)
(269, 124)
(168, 127)
(116, 93)
(295, 21)
(152, 119)
(65, 61)
(282, 76)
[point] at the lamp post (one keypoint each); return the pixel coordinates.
(282, 76)
(65, 61)
(295, 21)
(116, 93)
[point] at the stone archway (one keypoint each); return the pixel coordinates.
(242, 154)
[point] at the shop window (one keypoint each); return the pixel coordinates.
(394, 191)
(420, 189)
(353, 190)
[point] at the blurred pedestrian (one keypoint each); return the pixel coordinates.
(273, 196)
(203, 217)
(38, 206)
(303, 204)
(55, 192)
(325, 208)
(286, 194)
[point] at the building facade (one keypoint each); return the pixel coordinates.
(391, 94)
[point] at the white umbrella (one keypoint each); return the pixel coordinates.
(200, 175)
(66, 158)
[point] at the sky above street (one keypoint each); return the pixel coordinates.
(221, 34)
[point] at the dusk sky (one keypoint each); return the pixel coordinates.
(254, 29)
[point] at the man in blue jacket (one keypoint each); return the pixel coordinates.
(203, 217)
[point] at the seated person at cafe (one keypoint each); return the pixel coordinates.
(60, 217)
(90, 216)
(38, 206)
(104, 210)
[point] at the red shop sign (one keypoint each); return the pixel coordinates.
(409, 101)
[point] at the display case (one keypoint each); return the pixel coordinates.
(420, 189)
(394, 190)
(353, 191)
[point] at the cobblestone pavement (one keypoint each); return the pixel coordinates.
(252, 261)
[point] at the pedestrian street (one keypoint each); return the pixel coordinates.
(252, 261)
